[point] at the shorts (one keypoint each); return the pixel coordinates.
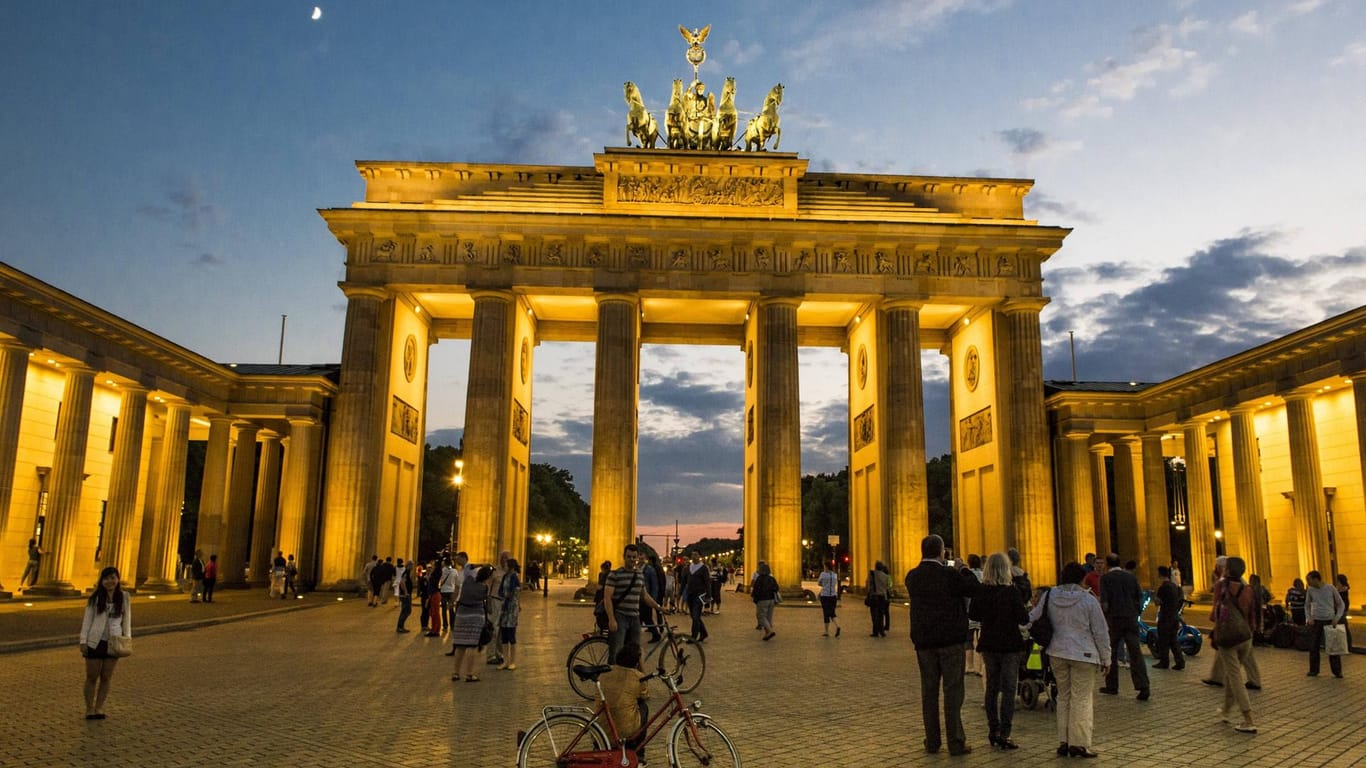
(100, 651)
(507, 635)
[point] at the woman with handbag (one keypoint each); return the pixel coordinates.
(878, 598)
(510, 588)
(1001, 611)
(1078, 651)
(1236, 619)
(468, 633)
(106, 636)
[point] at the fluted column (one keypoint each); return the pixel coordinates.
(1129, 511)
(616, 386)
(13, 379)
(1100, 501)
(122, 522)
(233, 543)
(213, 491)
(488, 425)
(164, 562)
(1247, 482)
(355, 450)
(907, 502)
(1027, 465)
(299, 495)
(267, 507)
(779, 483)
(1077, 521)
(1155, 502)
(1359, 399)
(64, 487)
(1200, 505)
(1311, 518)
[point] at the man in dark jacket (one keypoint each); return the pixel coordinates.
(1121, 598)
(1169, 598)
(939, 629)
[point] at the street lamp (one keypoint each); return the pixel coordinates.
(545, 539)
(458, 481)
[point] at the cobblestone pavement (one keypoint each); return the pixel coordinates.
(338, 686)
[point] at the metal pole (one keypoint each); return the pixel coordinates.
(1072, 343)
(545, 575)
(281, 361)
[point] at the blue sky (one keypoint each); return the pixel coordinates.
(165, 160)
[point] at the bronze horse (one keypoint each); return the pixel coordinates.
(639, 122)
(765, 124)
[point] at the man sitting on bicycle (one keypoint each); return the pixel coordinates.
(625, 693)
(621, 598)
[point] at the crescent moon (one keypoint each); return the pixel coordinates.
(317, 13)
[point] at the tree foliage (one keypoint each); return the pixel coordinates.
(554, 506)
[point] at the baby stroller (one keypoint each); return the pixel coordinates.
(1036, 679)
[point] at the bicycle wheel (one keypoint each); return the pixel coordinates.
(548, 738)
(703, 745)
(685, 663)
(590, 651)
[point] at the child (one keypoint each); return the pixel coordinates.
(625, 695)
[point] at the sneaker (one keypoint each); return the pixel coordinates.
(1245, 728)
(1251, 686)
(1214, 683)
(1144, 694)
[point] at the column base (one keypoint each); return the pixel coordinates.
(159, 587)
(342, 585)
(4, 594)
(53, 589)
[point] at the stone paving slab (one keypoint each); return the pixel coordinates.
(337, 685)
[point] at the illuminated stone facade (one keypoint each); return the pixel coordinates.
(96, 416)
(1261, 455)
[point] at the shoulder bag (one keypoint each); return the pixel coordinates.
(122, 645)
(1041, 631)
(1231, 628)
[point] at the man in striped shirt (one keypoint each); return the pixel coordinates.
(621, 598)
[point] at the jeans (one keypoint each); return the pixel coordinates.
(942, 666)
(881, 614)
(1166, 642)
(208, 589)
(628, 631)
(405, 608)
(448, 609)
(1316, 648)
(30, 574)
(699, 629)
(1003, 677)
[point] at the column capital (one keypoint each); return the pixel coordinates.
(134, 389)
(8, 344)
(1244, 408)
(779, 301)
(358, 291)
(1297, 395)
(1194, 422)
(217, 418)
(493, 294)
(913, 304)
(1024, 304)
(1129, 440)
(79, 369)
(609, 297)
(267, 435)
(1100, 449)
(303, 421)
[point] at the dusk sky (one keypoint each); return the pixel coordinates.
(165, 161)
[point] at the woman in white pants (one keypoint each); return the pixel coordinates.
(1078, 653)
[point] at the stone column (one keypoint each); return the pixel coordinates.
(355, 450)
(1028, 487)
(64, 485)
(907, 501)
(488, 425)
(1155, 503)
(1077, 519)
(213, 492)
(267, 507)
(163, 564)
(13, 379)
(233, 544)
(1100, 501)
(779, 437)
(122, 521)
(1247, 481)
(616, 387)
(1129, 511)
(1359, 399)
(1311, 518)
(1199, 505)
(299, 495)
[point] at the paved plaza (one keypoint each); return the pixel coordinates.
(337, 686)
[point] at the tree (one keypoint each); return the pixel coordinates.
(438, 499)
(554, 506)
(825, 511)
(939, 488)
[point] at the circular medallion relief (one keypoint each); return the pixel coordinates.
(862, 366)
(410, 357)
(971, 368)
(525, 362)
(749, 365)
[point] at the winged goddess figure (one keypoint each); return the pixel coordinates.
(695, 38)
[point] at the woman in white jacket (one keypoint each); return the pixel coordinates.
(108, 613)
(1079, 651)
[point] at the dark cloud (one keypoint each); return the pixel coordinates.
(1024, 142)
(523, 134)
(207, 261)
(185, 205)
(1039, 202)
(1233, 295)
(688, 394)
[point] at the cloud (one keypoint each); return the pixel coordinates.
(1234, 294)
(184, 206)
(882, 26)
(1353, 55)
(207, 261)
(519, 133)
(1248, 24)
(1029, 143)
(1039, 202)
(739, 54)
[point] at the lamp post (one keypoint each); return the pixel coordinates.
(458, 481)
(544, 539)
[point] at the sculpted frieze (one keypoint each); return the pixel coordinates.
(700, 190)
(865, 429)
(974, 430)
